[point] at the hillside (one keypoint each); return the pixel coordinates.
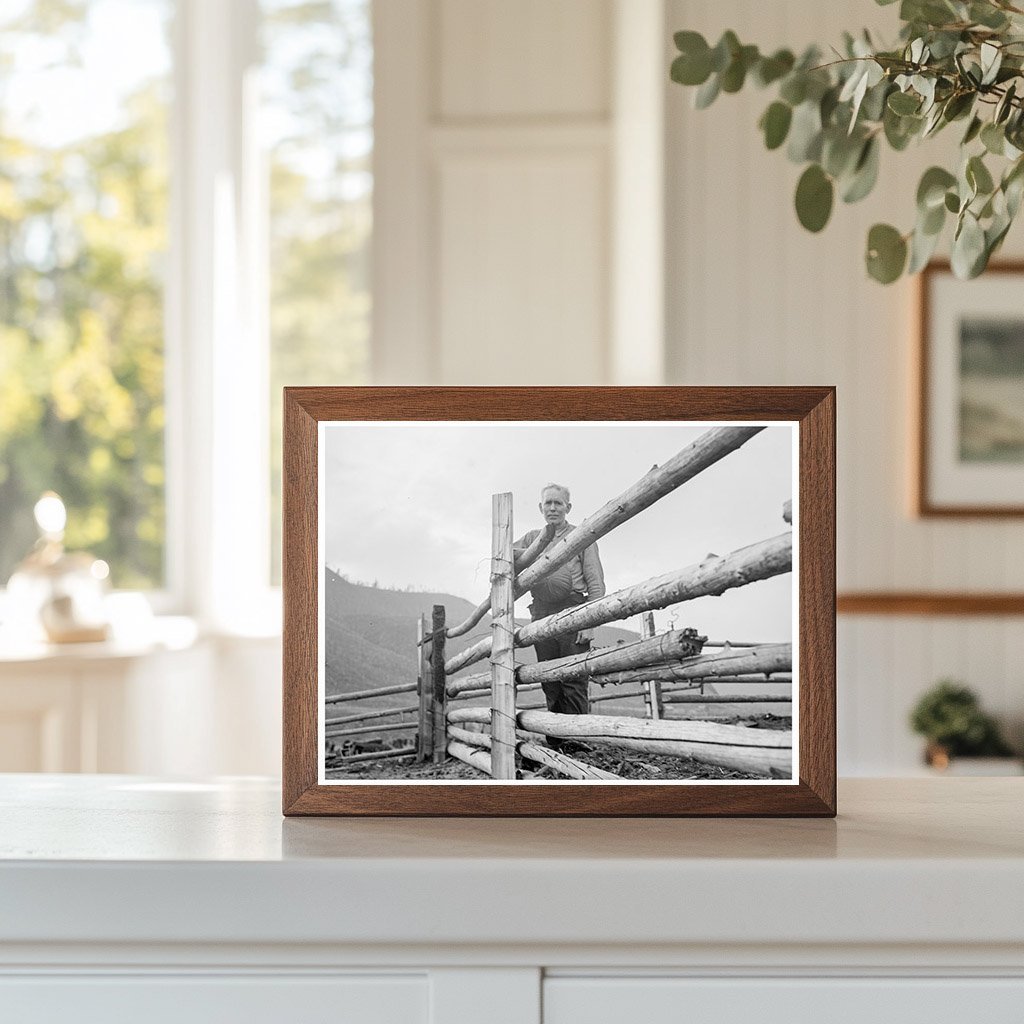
(370, 634)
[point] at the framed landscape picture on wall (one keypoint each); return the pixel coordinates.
(970, 445)
(559, 601)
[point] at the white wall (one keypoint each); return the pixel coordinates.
(492, 228)
(754, 299)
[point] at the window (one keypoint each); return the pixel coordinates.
(185, 222)
(83, 236)
(317, 120)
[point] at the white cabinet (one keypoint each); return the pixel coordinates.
(202, 999)
(132, 898)
(823, 1000)
(175, 704)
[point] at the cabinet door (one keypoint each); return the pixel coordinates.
(205, 999)
(677, 1000)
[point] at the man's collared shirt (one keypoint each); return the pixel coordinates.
(582, 575)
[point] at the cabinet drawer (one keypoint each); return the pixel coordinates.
(202, 999)
(659, 1000)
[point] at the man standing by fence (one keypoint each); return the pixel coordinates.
(578, 581)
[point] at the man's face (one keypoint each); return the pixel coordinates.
(554, 508)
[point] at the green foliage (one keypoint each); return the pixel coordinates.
(949, 716)
(320, 204)
(82, 231)
(955, 61)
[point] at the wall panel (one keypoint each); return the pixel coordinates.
(530, 58)
(520, 290)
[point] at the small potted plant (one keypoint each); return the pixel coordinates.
(950, 717)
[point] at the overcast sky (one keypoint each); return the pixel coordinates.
(409, 505)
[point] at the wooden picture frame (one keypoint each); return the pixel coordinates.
(808, 413)
(963, 448)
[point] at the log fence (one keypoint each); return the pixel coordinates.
(667, 671)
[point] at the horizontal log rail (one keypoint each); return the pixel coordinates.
(555, 759)
(711, 578)
(599, 666)
(381, 691)
(672, 646)
(762, 751)
(725, 698)
(363, 730)
(363, 716)
(377, 754)
(473, 756)
(473, 686)
(708, 449)
(460, 690)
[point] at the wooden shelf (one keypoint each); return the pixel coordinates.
(928, 603)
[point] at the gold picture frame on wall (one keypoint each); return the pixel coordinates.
(970, 393)
(360, 467)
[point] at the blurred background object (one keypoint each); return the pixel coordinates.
(55, 593)
(950, 718)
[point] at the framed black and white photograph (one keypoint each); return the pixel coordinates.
(559, 601)
(970, 452)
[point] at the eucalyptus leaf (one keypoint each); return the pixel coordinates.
(735, 74)
(973, 129)
(840, 152)
(978, 176)
(873, 106)
(1014, 191)
(693, 65)
(771, 69)
(814, 194)
(922, 248)
(958, 105)
(991, 60)
(707, 93)
(933, 122)
(931, 190)
(1013, 187)
(805, 133)
(865, 173)
(900, 130)
(775, 124)
(886, 253)
(993, 138)
(968, 247)
(932, 221)
(1005, 105)
(904, 103)
(794, 88)
(725, 50)
(987, 15)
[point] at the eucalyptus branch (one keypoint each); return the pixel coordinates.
(834, 116)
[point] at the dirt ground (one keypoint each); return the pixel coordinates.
(629, 764)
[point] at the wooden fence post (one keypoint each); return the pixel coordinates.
(425, 683)
(652, 688)
(439, 697)
(503, 666)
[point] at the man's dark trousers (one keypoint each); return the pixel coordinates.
(564, 698)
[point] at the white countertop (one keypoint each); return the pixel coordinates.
(123, 859)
